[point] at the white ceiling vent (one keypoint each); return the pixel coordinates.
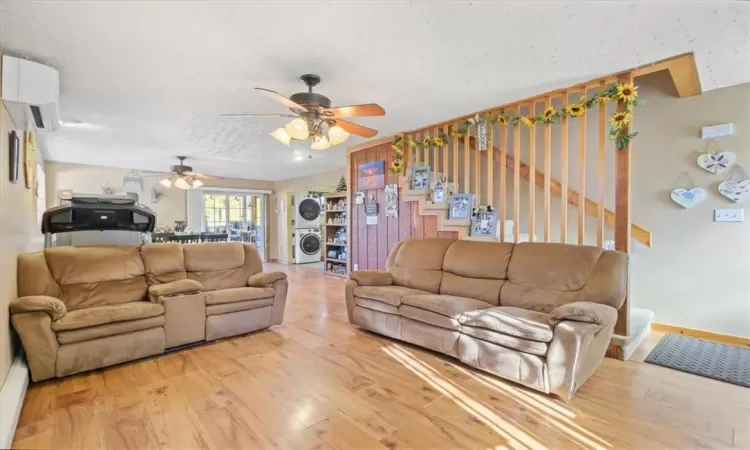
(30, 93)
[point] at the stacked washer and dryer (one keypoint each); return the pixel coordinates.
(308, 220)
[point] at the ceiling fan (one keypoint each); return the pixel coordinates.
(313, 113)
(183, 177)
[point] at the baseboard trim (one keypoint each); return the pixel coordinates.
(702, 334)
(11, 398)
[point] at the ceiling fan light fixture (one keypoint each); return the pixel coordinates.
(282, 136)
(197, 184)
(320, 143)
(181, 183)
(297, 129)
(166, 182)
(337, 135)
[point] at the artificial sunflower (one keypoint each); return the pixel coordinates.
(550, 113)
(438, 141)
(602, 99)
(620, 119)
(502, 120)
(627, 92)
(528, 121)
(576, 110)
(396, 165)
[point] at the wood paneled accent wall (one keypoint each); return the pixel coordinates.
(370, 244)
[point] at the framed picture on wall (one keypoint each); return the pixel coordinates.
(484, 223)
(420, 177)
(461, 206)
(371, 175)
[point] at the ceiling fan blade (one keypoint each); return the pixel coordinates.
(369, 109)
(281, 99)
(353, 128)
(259, 116)
(200, 175)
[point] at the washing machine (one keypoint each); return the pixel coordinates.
(308, 245)
(307, 210)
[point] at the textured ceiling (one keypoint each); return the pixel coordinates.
(156, 75)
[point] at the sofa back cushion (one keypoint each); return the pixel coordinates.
(221, 265)
(97, 276)
(418, 263)
(164, 262)
(476, 269)
(543, 276)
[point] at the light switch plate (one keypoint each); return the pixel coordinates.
(356, 266)
(712, 132)
(729, 215)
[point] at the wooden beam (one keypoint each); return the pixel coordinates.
(547, 169)
(639, 233)
(490, 160)
(682, 69)
(564, 170)
(601, 168)
(516, 179)
(582, 170)
(503, 178)
(532, 167)
(623, 180)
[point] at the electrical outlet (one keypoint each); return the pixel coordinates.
(729, 215)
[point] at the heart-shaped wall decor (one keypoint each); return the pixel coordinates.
(735, 191)
(688, 198)
(716, 162)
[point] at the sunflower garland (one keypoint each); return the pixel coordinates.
(625, 94)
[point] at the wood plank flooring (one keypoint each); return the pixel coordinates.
(318, 382)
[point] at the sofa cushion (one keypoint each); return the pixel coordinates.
(97, 276)
(429, 317)
(522, 345)
(512, 321)
(164, 262)
(240, 294)
(224, 308)
(375, 305)
(418, 263)
(446, 305)
(544, 276)
(109, 329)
(388, 294)
(101, 315)
(221, 265)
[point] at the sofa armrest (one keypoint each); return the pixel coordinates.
(51, 306)
(372, 277)
(179, 287)
(262, 279)
(39, 342)
(586, 312)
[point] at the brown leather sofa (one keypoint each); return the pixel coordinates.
(82, 308)
(538, 314)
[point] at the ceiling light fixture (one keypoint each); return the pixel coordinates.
(337, 135)
(197, 184)
(181, 183)
(298, 129)
(282, 136)
(166, 182)
(320, 143)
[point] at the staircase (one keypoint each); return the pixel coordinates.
(563, 181)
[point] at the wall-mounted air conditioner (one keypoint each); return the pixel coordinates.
(30, 93)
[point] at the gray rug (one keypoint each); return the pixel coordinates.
(705, 358)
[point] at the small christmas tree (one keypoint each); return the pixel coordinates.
(342, 185)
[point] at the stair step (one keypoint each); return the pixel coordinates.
(457, 222)
(438, 206)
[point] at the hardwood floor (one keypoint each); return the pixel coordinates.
(319, 382)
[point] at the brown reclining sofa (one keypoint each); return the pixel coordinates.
(535, 313)
(82, 308)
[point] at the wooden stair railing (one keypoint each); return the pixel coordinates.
(639, 233)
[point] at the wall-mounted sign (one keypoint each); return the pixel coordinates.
(371, 209)
(371, 175)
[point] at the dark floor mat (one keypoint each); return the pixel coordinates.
(705, 358)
